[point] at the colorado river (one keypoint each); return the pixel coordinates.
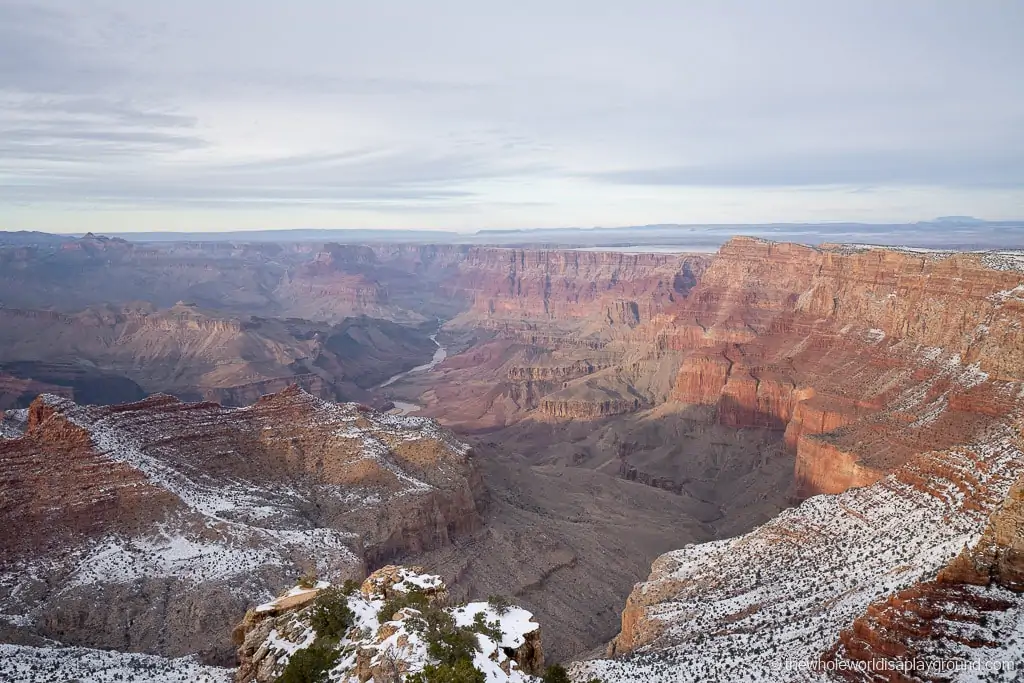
(402, 407)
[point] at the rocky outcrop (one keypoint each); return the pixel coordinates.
(385, 647)
(821, 467)
(555, 373)
(169, 509)
(633, 473)
(998, 556)
(587, 410)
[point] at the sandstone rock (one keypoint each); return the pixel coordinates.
(177, 514)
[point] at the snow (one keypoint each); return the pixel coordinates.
(515, 623)
(233, 533)
(875, 336)
(12, 423)
(1015, 294)
(121, 560)
(292, 593)
(733, 609)
(1005, 260)
(23, 664)
(231, 527)
(414, 581)
(401, 639)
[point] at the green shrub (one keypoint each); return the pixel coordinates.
(490, 629)
(309, 665)
(555, 673)
(331, 615)
(500, 603)
(461, 671)
(307, 581)
(450, 647)
(415, 599)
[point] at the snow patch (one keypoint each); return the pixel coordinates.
(23, 664)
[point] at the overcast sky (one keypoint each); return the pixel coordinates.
(128, 115)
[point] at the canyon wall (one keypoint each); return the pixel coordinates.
(838, 348)
(844, 343)
(109, 354)
(178, 516)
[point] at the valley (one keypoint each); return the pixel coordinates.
(802, 440)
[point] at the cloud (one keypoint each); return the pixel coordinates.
(970, 168)
(525, 113)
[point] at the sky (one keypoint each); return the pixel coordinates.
(192, 115)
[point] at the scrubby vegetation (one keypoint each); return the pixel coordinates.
(500, 603)
(310, 665)
(354, 632)
(461, 672)
(556, 674)
(447, 643)
(331, 615)
(415, 599)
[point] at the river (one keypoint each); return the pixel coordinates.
(403, 407)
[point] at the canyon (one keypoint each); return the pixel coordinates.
(814, 446)
(178, 515)
(111, 355)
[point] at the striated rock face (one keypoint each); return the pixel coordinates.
(176, 515)
(821, 467)
(717, 378)
(998, 556)
(863, 358)
(115, 355)
(587, 410)
(785, 592)
(387, 647)
(541, 284)
(844, 347)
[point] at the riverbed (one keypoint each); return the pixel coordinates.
(404, 407)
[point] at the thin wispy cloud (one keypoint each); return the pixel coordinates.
(467, 115)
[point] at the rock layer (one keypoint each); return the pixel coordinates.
(175, 514)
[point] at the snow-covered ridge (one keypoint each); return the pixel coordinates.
(146, 440)
(734, 609)
(23, 664)
(242, 525)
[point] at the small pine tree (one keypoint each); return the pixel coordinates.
(331, 615)
(461, 671)
(500, 603)
(555, 673)
(309, 665)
